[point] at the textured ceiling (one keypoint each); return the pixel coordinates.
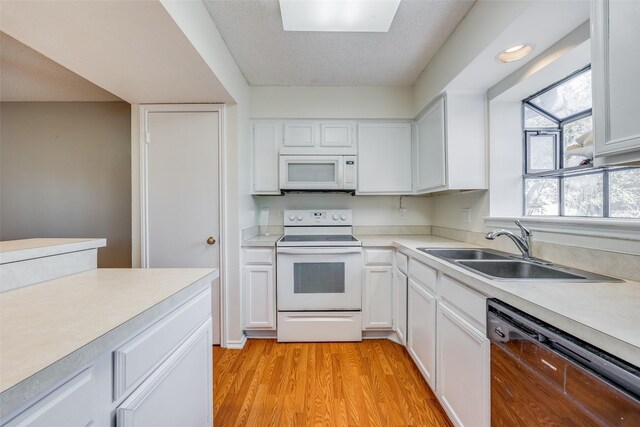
(26, 75)
(267, 55)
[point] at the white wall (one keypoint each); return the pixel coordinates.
(367, 210)
(295, 102)
(446, 210)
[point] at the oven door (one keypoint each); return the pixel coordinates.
(311, 172)
(314, 279)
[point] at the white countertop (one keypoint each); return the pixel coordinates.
(262, 240)
(43, 323)
(607, 315)
(20, 250)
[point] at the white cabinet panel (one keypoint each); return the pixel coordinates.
(421, 331)
(423, 274)
(336, 134)
(463, 369)
(400, 318)
(260, 298)
(178, 393)
(431, 149)
(378, 298)
(266, 141)
(378, 256)
(299, 135)
(402, 262)
(73, 404)
(384, 153)
(615, 68)
(469, 304)
(259, 256)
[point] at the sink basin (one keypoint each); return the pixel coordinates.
(465, 253)
(524, 270)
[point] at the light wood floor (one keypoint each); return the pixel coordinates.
(372, 383)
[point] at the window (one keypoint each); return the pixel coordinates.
(559, 178)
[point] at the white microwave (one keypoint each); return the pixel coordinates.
(320, 173)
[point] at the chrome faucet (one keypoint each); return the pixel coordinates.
(523, 243)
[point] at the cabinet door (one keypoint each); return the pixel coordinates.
(266, 140)
(260, 297)
(384, 156)
(431, 148)
(178, 393)
(421, 331)
(400, 281)
(463, 369)
(336, 135)
(299, 135)
(615, 68)
(378, 298)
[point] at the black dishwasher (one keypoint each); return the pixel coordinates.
(542, 376)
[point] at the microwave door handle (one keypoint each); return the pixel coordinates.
(319, 251)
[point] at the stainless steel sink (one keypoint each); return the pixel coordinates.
(459, 254)
(526, 270)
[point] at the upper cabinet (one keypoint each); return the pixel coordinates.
(615, 69)
(266, 143)
(312, 137)
(450, 144)
(384, 156)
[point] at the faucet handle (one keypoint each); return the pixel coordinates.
(523, 230)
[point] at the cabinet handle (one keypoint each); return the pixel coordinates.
(211, 240)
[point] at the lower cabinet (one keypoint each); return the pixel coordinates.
(177, 392)
(400, 285)
(377, 298)
(463, 369)
(421, 330)
(260, 289)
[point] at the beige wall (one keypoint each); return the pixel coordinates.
(66, 172)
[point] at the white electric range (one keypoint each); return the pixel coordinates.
(319, 277)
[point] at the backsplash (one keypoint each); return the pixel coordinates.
(604, 262)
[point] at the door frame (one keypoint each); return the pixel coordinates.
(144, 110)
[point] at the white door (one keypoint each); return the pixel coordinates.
(182, 194)
(400, 319)
(431, 147)
(421, 331)
(377, 308)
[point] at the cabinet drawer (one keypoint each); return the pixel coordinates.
(402, 262)
(468, 303)
(72, 404)
(135, 359)
(423, 274)
(378, 256)
(258, 256)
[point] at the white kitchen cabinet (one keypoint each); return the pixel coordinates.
(266, 142)
(421, 330)
(400, 317)
(260, 288)
(384, 157)
(450, 144)
(302, 137)
(462, 369)
(378, 298)
(177, 392)
(615, 69)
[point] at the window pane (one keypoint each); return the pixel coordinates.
(542, 153)
(624, 193)
(568, 98)
(578, 141)
(541, 196)
(583, 195)
(536, 121)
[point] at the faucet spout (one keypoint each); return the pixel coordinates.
(522, 243)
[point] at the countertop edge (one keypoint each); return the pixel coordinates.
(32, 387)
(49, 250)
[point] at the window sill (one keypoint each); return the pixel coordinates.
(623, 229)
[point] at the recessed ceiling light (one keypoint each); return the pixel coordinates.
(514, 53)
(338, 15)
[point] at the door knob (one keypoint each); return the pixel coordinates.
(211, 240)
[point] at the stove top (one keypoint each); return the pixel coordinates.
(318, 240)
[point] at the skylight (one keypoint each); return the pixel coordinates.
(373, 16)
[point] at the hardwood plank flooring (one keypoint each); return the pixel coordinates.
(370, 383)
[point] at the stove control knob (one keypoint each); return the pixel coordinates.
(343, 217)
(335, 217)
(292, 217)
(299, 217)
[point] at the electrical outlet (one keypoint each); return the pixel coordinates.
(402, 213)
(465, 215)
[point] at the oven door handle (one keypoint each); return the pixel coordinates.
(319, 251)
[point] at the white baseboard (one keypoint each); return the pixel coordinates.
(237, 345)
(377, 335)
